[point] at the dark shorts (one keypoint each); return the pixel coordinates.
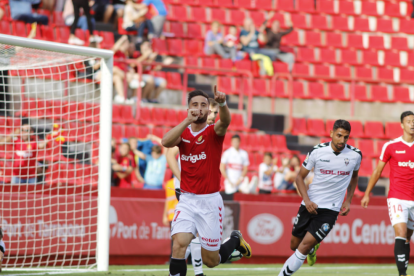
(318, 225)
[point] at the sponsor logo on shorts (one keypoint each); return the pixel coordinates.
(334, 173)
(212, 245)
(325, 227)
(194, 158)
(210, 240)
(400, 151)
(265, 228)
(406, 164)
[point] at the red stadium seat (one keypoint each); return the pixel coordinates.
(364, 73)
(145, 117)
(370, 57)
(379, 93)
(329, 125)
(131, 131)
(244, 65)
(265, 143)
(393, 130)
(357, 129)
(320, 22)
(177, 28)
(328, 56)
(361, 93)
(392, 9)
(194, 31)
(380, 145)
(313, 38)
(143, 132)
(58, 20)
(5, 27)
(280, 67)
(127, 114)
(322, 71)
(336, 91)
(374, 130)
(208, 62)
(171, 118)
(299, 126)
(366, 167)
(291, 39)
(392, 59)
(346, 7)
(349, 57)
(116, 113)
(407, 26)
(399, 43)
(236, 16)
(326, 6)
(225, 84)
(19, 28)
(305, 6)
(355, 41)
(298, 91)
(361, 24)
(237, 122)
(342, 71)
(158, 116)
(279, 89)
(158, 131)
(340, 23)
(285, 5)
(316, 90)
(306, 55)
(175, 47)
(369, 8)
(160, 46)
(177, 13)
(253, 5)
(401, 94)
(301, 69)
(376, 42)
(385, 74)
(193, 47)
(316, 127)
(334, 40)
(117, 132)
(257, 17)
(174, 80)
(367, 147)
(279, 143)
(108, 40)
(385, 25)
(218, 14)
(406, 75)
(299, 21)
(198, 14)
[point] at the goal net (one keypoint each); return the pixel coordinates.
(55, 129)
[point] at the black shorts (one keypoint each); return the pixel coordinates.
(318, 225)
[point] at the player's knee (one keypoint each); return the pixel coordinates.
(293, 245)
(211, 263)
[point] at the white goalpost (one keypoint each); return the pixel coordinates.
(55, 154)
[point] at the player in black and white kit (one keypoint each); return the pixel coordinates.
(336, 166)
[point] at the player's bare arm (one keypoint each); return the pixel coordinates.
(173, 137)
(300, 182)
(172, 161)
(349, 194)
(376, 174)
(221, 126)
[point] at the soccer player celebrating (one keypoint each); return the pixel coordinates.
(200, 209)
(173, 163)
(336, 167)
(399, 153)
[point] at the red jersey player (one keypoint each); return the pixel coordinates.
(200, 209)
(399, 153)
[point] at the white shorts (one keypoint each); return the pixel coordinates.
(401, 211)
(202, 214)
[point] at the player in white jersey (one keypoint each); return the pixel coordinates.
(336, 167)
(174, 164)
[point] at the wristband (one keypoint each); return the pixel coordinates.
(222, 104)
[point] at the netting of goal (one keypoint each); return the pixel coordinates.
(55, 135)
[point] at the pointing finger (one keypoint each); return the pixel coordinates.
(215, 90)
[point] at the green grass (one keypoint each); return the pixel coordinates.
(233, 269)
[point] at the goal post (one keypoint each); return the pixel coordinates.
(79, 186)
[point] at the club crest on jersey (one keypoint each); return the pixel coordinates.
(200, 140)
(325, 227)
(346, 161)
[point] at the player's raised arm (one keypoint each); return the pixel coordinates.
(221, 126)
(376, 174)
(300, 182)
(173, 137)
(172, 162)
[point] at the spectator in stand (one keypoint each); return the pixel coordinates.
(158, 13)
(135, 20)
(25, 158)
(77, 5)
(119, 7)
(266, 171)
(103, 10)
(124, 167)
(213, 43)
(114, 163)
(231, 40)
(288, 172)
(234, 166)
(156, 167)
(69, 17)
(22, 10)
(273, 36)
(153, 85)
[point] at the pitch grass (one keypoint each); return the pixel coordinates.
(232, 269)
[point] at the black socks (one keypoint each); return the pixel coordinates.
(400, 250)
(178, 267)
(228, 247)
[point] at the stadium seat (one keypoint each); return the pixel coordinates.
(376, 42)
(313, 39)
(369, 8)
(160, 46)
(127, 114)
(366, 167)
(380, 144)
(316, 127)
(145, 117)
(357, 129)
(379, 93)
(225, 84)
(392, 59)
(333, 40)
(361, 93)
(175, 47)
(351, 142)
(193, 47)
(5, 27)
(321, 71)
(197, 14)
(299, 21)
(342, 71)
(237, 122)
(143, 132)
(177, 13)
(171, 118)
(336, 91)
(58, 20)
(374, 130)
(401, 94)
(298, 91)
(301, 69)
(177, 28)
(364, 73)
(291, 39)
(316, 90)
(305, 6)
(407, 26)
(158, 116)
(385, 74)
(108, 40)
(254, 142)
(410, 59)
(399, 43)
(244, 65)
(320, 22)
(131, 131)
(174, 80)
(340, 23)
(367, 147)
(278, 89)
(253, 5)
(361, 24)
(326, 6)
(346, 7)
(285, 5)
(257, 17)
(265, 143)
(236, 17)
(158, 131)
(327, 55)
(280, 67)
(218, 14)
(406, 75)
(19, 29)
(355, 41)
(306, 55)
(117, 131)
(194, 31)
(393, 130)
(279, 143)
(384, 26)
(349, 57)
(299, 126)
(392, 9)
(370, 57)
(116, 113)
(208, 62)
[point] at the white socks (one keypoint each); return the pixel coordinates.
(293, 264)
(196, 259)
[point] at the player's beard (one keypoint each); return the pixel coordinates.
(201, 120)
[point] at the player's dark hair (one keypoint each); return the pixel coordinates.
(235, 136)
(342, 124)
(196, 93)
(405, 114)
(156, 149)
(268, 154)
(212, 102)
